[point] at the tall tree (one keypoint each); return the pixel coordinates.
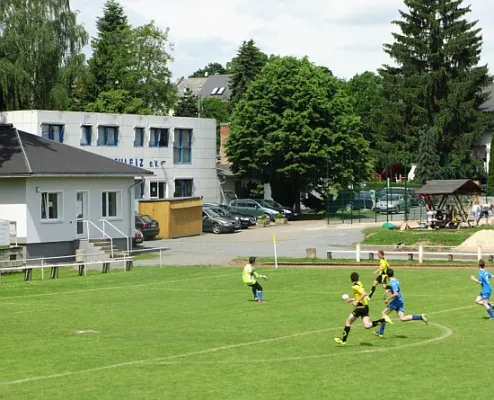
(366, 92)
(437, 82)
(244, 68)
(38, 39)
(111, 60)
(210, 69)
(296, 123)
(133, 60)
(427, 157)
(188, 105)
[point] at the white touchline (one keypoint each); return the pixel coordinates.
(119, 287)
(446, 333)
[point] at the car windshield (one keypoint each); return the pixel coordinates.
(273, 203)
(362, 195)
(390, 197)
(264, 203)
(213, 213)
(146, 218)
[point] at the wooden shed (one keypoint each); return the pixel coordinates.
(178, 217)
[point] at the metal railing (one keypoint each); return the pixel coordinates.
(42, 260)
(102, 231)
(127, 239)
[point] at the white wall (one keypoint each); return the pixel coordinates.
(65, 229)
(202, 169)
(13, 204)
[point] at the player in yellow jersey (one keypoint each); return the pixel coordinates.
(250, 278)
(360, 302)
(383, 273)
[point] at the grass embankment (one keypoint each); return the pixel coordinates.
(442, 237)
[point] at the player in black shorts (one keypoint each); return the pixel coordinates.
(361, 310)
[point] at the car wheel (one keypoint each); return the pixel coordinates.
(216, 228)
(397, 210)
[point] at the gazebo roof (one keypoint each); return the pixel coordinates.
(453, 186)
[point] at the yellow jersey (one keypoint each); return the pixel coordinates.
(358, 289)
(383, 265)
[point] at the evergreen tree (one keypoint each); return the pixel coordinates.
(110, 64)
(38, 40)
(188, 105)
(437, 82)
(427, 157)
(244, 68)
(490, 177)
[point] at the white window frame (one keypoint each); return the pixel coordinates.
(118, 217)
(60, 207)
(158, 182)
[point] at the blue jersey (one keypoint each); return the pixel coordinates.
(395, 288)
(483, 278)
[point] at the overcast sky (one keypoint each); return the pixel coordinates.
(345, 36)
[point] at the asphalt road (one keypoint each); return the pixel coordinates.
(292, 241)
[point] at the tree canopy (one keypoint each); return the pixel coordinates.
(296, 123)
(212, 68)
(437, 82)
(40, 43)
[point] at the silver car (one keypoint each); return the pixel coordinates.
(390, 203)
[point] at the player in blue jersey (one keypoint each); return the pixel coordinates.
(396, 303)
(485, 293)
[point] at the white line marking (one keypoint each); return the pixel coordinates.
(447, 332)
(119, 287)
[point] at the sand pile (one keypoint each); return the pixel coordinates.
(484, 238)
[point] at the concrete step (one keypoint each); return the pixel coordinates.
(100, 241)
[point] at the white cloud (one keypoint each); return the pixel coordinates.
(346, 36)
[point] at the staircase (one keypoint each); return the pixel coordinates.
(93, 250)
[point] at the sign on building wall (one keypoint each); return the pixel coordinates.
(140, 162)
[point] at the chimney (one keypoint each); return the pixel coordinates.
(224, 132)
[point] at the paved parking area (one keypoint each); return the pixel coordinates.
(292, 241)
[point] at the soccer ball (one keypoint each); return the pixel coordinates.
(345, 297)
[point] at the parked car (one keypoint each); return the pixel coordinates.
(148, 226)
(390, 203)
(217, 223)
(361, 201)
(288, 212)
(253, 207)
(412, 196)
(138, 237)
(222, 209)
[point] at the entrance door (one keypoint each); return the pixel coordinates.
(81, 199)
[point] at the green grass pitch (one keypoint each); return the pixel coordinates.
(195, 333)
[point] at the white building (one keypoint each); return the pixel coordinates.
(59, 195)
(181, 152)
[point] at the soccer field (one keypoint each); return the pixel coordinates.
(195, 333)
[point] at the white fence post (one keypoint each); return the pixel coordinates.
(357, 256)
(42, 269)
(160, 257)
(479, 252)
(421, 254)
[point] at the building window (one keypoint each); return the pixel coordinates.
(183, 188)
(110, 204)
(139, 137)
(158, 137)
(157, 190)
(52, 132)
(86, 135)
(182, 146)
(139, 191)
(107, 135)
(51, 206)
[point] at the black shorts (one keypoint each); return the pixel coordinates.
(361, 311)
(383, 278)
